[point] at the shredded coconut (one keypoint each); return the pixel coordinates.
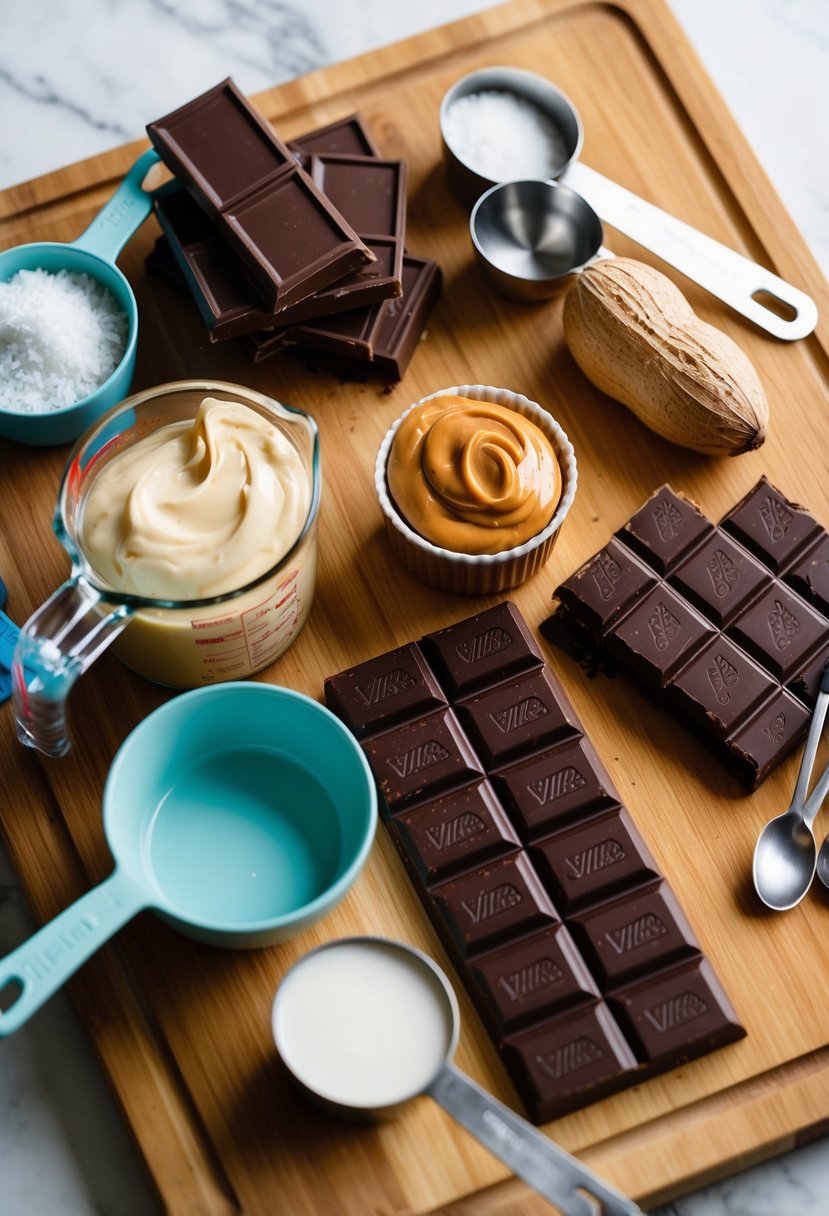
(504, 137)
(61, 336)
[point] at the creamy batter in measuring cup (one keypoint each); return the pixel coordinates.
(726, 274)
(365, 1024)
(210, 631)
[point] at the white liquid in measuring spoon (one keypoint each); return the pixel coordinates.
(363, 1023)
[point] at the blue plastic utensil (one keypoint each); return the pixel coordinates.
(240, 813)
(8, 638)
(93, 253)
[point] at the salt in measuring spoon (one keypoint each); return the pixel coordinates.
(364, 1024)
(726, 274)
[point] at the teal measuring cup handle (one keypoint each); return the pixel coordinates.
(126, 211)
(34, 971)
(55, 646)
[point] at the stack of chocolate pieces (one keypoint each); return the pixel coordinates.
(569, 939)
(299, 244)
(726, 626)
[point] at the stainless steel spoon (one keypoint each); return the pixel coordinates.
(785, 856)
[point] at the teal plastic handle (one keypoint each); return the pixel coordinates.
(125, 212)
(35, 970)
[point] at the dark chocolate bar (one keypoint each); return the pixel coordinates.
(380, 339)
(573, 947)
(727, 626)
(227, 301)
(290, 238)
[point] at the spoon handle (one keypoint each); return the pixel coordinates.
(807, 763)
(570, 1186)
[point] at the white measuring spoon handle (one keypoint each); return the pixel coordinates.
(729, 276)
(35, 970)
(548, 1169)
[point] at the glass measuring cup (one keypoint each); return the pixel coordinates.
(92, 253)
(205, 811)
(735, 280)
(182, 643)
(365, 1024)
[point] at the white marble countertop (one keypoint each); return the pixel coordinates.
(103, 70)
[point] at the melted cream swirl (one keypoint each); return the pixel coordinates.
(197, 508)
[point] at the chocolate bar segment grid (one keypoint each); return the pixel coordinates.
(570, 941)
(726, 626)
(291, 240)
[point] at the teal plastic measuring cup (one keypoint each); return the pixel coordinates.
(241, 814)
(93, 253)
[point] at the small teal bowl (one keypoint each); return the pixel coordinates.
(240, 814)
(93, 253)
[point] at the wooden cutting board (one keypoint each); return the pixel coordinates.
(183, 1030)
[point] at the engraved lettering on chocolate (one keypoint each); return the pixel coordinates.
(418, 758)
(606, 573)
(570, 1057)
(384, 686)
(518, 715)
(635, 933)
(776, 729)
(668, 519)
(556, 785)
(783, 625)
(486, 643)
(722, 676)
(491, 903)
(775, 516)
(722, 572)
(597, 857)
(462, 827)
(676, 1011)
(526, 981)
(663, 626)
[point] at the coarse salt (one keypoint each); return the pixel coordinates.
(61, 336)
(504, 137)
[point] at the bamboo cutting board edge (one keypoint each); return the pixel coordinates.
(792, 259)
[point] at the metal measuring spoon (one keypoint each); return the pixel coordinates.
(785, 856)
(364, 1024)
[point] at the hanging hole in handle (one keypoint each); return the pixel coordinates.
(10, 994)
(780, 308)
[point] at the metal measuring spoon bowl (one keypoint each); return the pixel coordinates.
(751, 290)
(785, 856)
(531, 238)
(365, 1024)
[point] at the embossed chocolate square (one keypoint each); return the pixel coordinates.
(551, 788)
(666, 528)
(466, 828)
(771, 526)
(491, 645)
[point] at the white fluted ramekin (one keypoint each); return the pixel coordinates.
(479, 573)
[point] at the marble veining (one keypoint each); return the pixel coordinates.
(88, 77)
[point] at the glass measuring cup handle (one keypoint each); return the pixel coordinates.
(726, 274)
(55, 646)
(129, 206)
(548, 1169)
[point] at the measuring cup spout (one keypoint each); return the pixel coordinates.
(55, 646)
(125, 212)
(35, 970)
(565, 1182)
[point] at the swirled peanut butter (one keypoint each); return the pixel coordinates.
(472, 476)
(199, 508)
